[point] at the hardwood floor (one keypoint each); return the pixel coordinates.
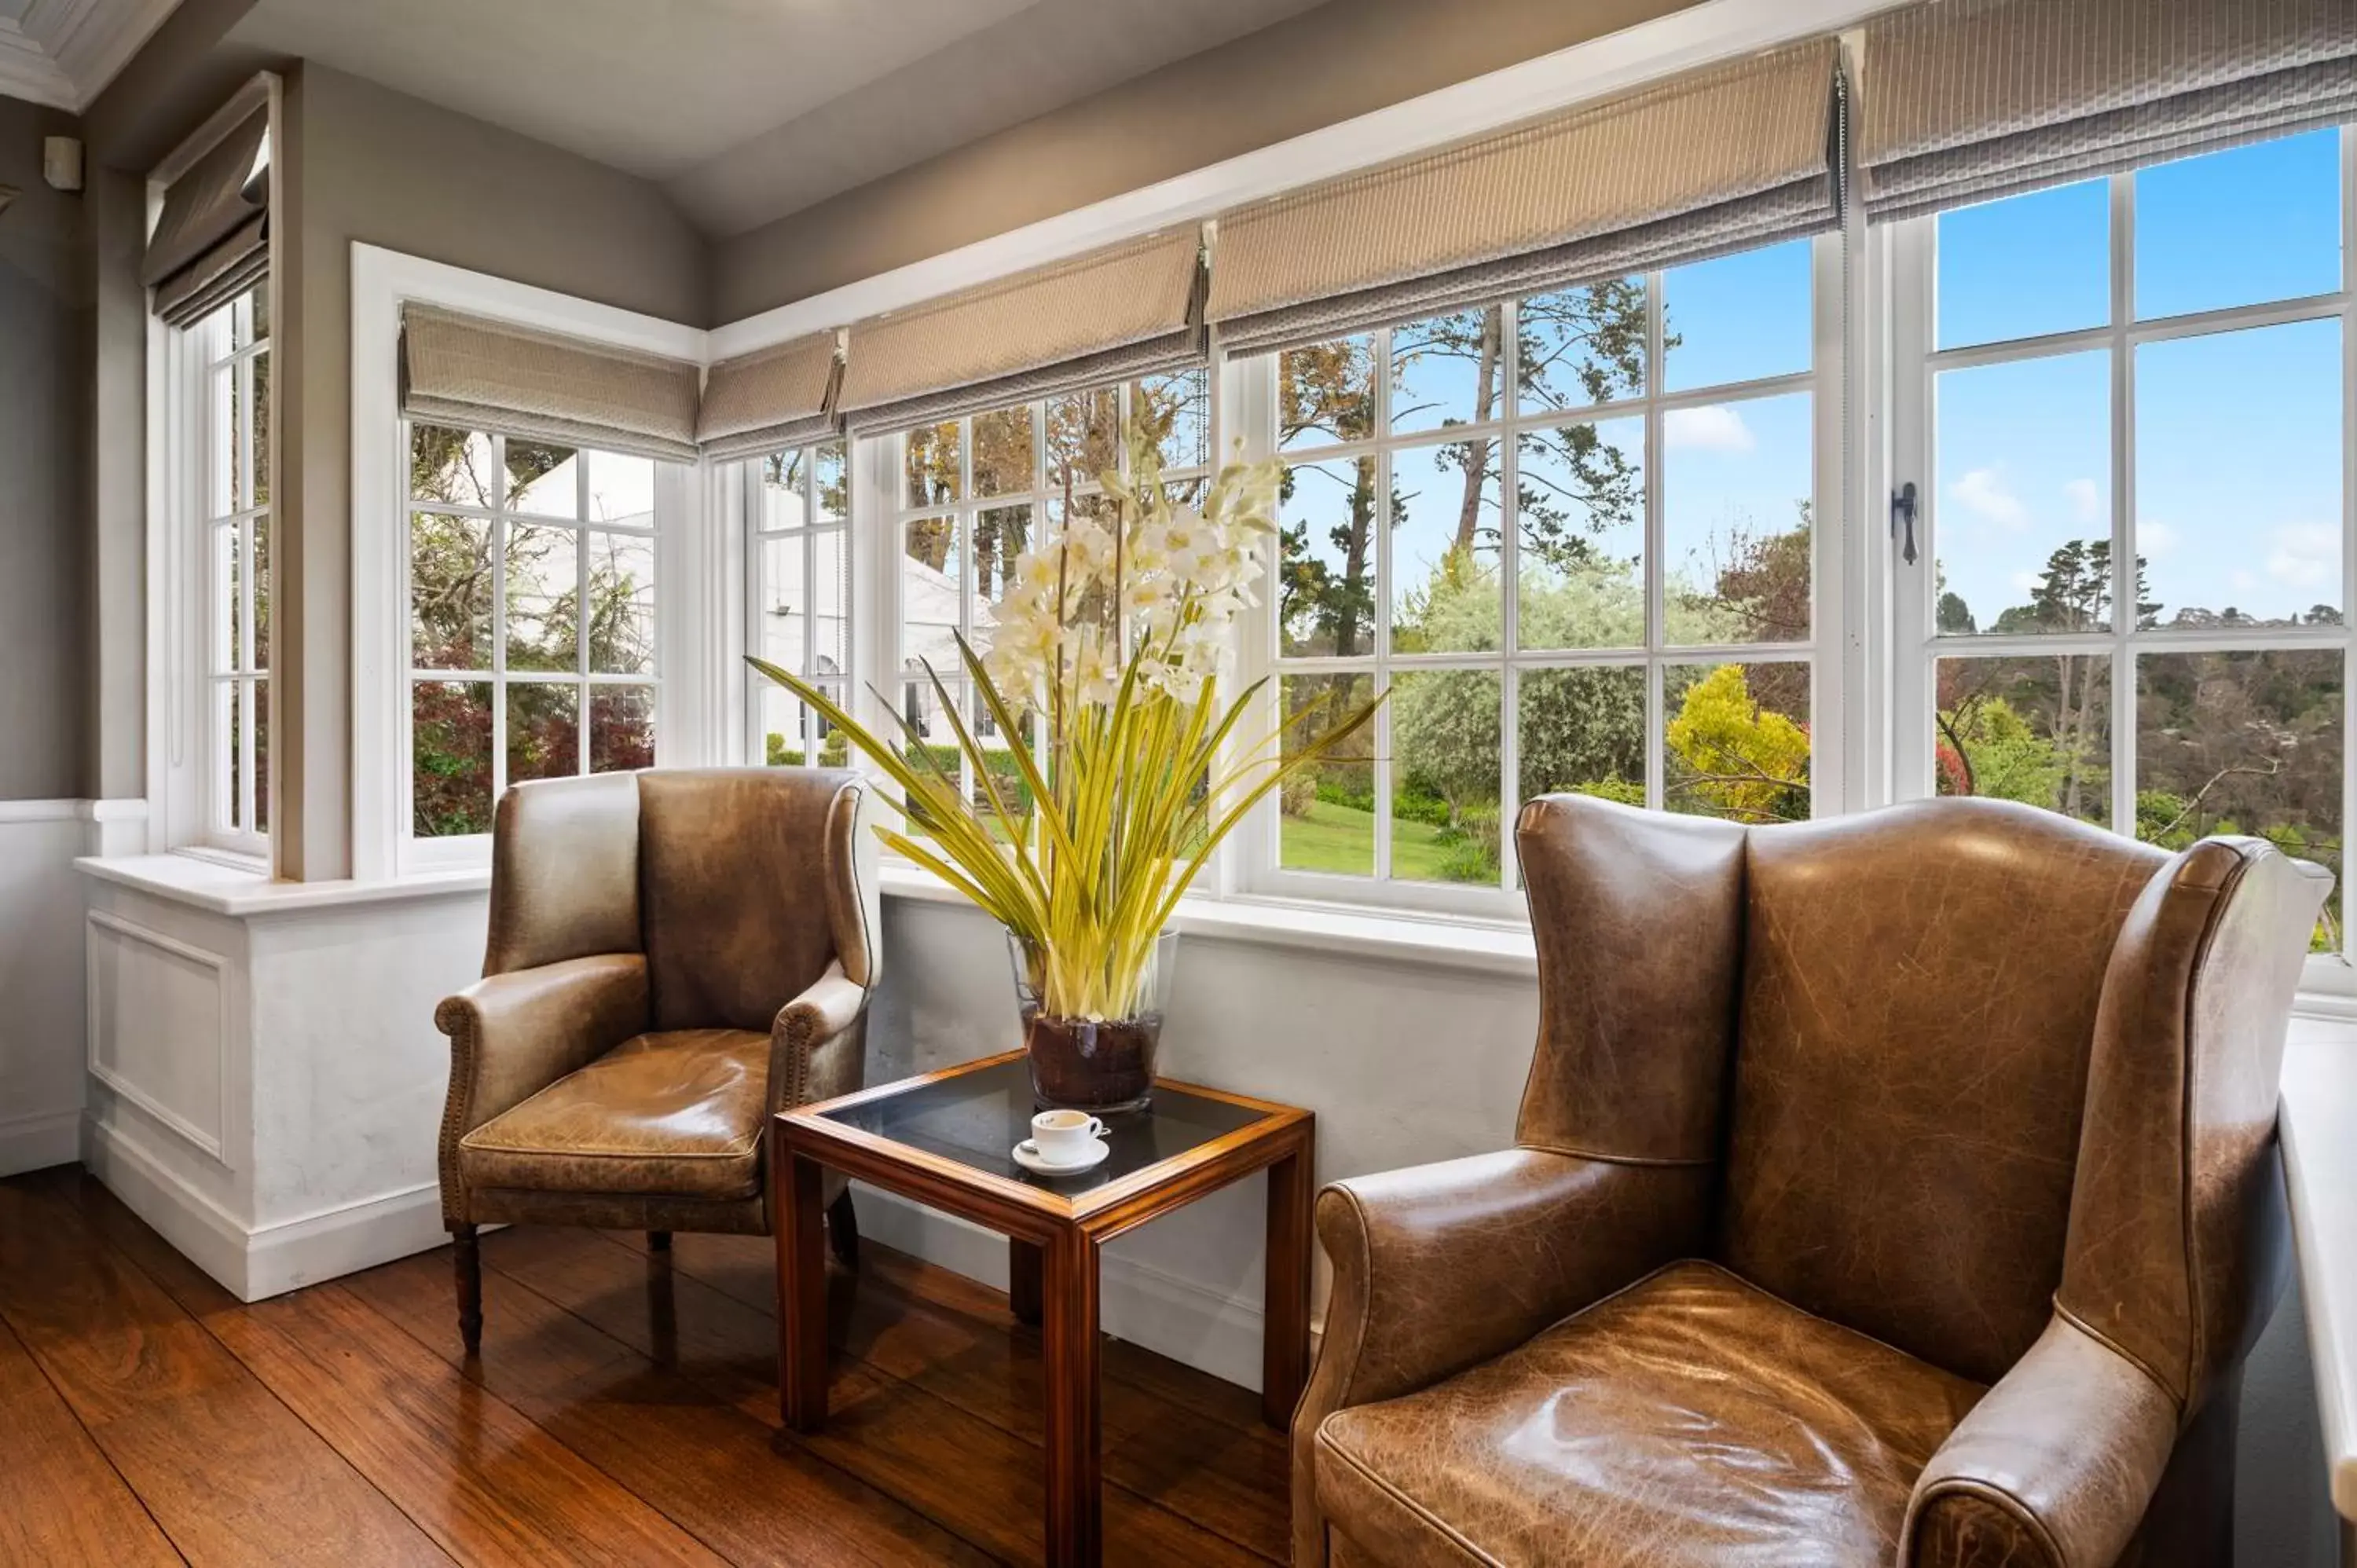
(624, 1410)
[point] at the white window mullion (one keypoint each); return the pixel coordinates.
(1510, 582)
(1655, 535)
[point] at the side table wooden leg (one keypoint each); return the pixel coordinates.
(1070, 1352)
(1023, 1265)
(1284, 1318)
(797, 1213)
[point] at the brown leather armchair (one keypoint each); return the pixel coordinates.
(1900, 1187)
(674, 955)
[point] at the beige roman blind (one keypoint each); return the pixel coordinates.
(1966, 99)
(773, 397)
(477, 375)
(213, 237)
(1736, 156)
(1126, 311)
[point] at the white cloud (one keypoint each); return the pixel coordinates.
(2304, 554)
(2156, 539)
(1982, 493)
(2242, 582)
(1714, 427)
(2086, 499)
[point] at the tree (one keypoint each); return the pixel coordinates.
(1733, 757)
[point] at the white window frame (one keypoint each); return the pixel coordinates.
(1252, 383)
(1907, 260)
(689, 581)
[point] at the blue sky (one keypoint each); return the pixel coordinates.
(2237, 438)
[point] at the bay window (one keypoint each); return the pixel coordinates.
(232, 349)
(798, 507)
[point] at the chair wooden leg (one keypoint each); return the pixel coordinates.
(658, 1240)
(843, 1229)
(467, 1263)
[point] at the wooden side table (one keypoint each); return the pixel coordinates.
(943, 1139)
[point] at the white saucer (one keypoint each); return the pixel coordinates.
(1031, 1162)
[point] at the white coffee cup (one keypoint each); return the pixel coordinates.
(1060, 1137)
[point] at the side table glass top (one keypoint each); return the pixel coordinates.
(977, 1119)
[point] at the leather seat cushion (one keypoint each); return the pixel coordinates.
(1691, 1419)
(677, 1113)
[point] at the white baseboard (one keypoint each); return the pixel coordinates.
(38, 1141)
(275, 1259)
(1204, 1329)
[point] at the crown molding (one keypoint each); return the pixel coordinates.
(65, 52)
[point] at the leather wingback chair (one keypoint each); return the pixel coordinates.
(674, 955)
(1894, 1189)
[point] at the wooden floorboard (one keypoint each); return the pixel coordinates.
(624, 1409)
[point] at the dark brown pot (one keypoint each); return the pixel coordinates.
(1097, 1064)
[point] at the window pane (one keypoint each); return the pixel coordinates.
(2238, 227)
(1001, 535)
(451, 466)
(1580, 507)
(1326, 818)
(1002, 452)
(830, 490)
(621, 489)
(1084, 437)
(2026, 265)
(235, 384)
(2035, 730)
(543, 730)
(2243, 743)
(543, 587)
(621, 728)
(931, 585)
(262, 757)
(258, 413)
(785, 733)
(1583, 732)
(241, 324)
(621, 604)
(228, 720)
(2023, 534)
(2238, 476)
(830, 603)
(260, 525)
(1736, 505)
(1445, 520)
(1175, 411)
(449, 591)
(1581, 346)
(1444, 776)
(1326, 588)
(450, 758)
(1448, 370)
(542, 479)
(785, 602)
(1738, 318)
(933, 464)
(784, 475)
(1003, 785)
(222, 537)
(1326, 393)
(1736, 741)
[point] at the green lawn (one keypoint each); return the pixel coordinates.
(1339, 838)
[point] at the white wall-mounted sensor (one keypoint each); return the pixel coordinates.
(62, 162)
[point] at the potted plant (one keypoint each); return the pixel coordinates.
(1105, 674)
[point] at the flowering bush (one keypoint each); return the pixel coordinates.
(1117, 639)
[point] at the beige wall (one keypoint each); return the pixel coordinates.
(1344, 59)
(363, 162)
(45, 383)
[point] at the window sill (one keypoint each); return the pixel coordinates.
(2318, 1119)
(1479, 947)
(217, 887)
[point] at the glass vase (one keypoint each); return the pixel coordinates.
(1101, 1065)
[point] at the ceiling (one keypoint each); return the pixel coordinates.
(62, 52)
(748, 110)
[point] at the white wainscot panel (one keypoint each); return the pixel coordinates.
(40, 984)
(159, 1026)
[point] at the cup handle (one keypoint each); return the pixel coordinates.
(1029, 1146)
(1096, 1128)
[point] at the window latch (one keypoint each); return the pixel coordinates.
(1902, 515)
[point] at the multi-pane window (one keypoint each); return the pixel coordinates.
(234, 344)
(2134, 603)
(973, 494)
(1573, 535)
(531, 617)
(800, 573)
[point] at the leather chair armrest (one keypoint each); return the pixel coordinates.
(818, 1045)
(1440, 1267)
(2052, 1469)
(513, 1035)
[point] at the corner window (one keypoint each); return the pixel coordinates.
(799, 533)
(1575, 536)
(531, 603)
(232, 579)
